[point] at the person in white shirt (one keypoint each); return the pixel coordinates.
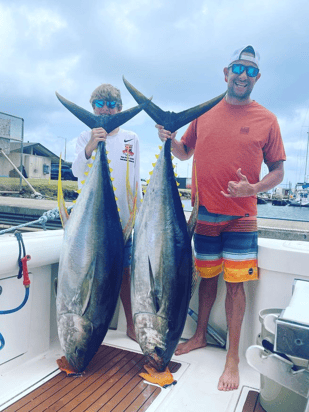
(121, 145)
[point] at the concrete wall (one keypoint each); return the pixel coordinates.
(34, 166)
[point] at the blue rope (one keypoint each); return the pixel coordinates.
(49, 215)
(6, 312)
(2, 341)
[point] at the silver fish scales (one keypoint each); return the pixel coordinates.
(90, 268)
(161, 266)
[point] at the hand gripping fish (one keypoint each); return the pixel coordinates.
(91, 259)
(161, 277)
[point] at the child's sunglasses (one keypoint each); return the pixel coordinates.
(100, 103)
(238, 68)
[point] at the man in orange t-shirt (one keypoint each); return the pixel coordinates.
(229, 143)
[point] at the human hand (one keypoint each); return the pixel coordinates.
(165, 134)
(242, 188)
(97, 135)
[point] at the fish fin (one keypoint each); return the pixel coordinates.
(64, 366)
(170, 120)
(82, 297)
(109, 123)
(64, 216)
(162, 379)
(155, 299)
(128, 187)
(180, 119)
(153, 111)
(129, 226)
(194, 214)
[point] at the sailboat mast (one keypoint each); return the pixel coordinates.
(305, 178)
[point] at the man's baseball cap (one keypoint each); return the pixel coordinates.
(238, 55)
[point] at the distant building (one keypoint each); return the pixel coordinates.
(36, 160)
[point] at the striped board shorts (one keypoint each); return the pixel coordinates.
(226, 243)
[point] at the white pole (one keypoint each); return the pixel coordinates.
(34, 191)
(305, 177)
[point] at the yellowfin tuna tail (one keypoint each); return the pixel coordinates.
(64, 216)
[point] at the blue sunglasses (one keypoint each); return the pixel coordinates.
(238, 68)
(100, 103)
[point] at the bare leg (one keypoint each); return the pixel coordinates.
(125, 297)
(207, 297)
(235, 305)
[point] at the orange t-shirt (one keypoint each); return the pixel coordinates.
(227, 138)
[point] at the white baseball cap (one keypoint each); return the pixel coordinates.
(237, 55)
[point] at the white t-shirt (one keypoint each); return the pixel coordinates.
(117, 146)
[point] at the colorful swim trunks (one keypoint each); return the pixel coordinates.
(226, 243)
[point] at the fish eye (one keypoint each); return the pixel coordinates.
(159, 351)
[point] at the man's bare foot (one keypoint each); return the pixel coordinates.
(229, 380)
(191, 344)
(131, 334)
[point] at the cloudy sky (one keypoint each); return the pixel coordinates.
(172, 50)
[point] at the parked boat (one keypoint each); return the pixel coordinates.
(301, 195)
(29, 345)
(261, 200)
(279, 202)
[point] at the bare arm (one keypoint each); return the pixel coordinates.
(272, 179)
(180, 150)
(97, 135)
(243, 188)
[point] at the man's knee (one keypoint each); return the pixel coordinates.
(235, 289)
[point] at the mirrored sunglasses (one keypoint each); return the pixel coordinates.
(238, 68)
(101, 103)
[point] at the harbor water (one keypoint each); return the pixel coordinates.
(270, 211)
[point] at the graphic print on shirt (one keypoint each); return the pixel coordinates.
(127, 151)
(244, 130)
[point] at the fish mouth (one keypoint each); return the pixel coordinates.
(80, 359)
(75, 334)
(156, 361)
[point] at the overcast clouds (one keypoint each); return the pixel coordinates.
(174, 51)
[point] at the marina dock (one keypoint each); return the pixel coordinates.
(31, 209)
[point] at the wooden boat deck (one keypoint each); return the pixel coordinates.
(111, 382)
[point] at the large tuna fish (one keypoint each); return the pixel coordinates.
(162, 266)
(161, 279)
(91, 259)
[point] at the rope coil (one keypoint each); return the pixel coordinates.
(52, 214)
